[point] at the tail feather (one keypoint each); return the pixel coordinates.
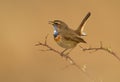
(80, 29)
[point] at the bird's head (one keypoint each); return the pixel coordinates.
(58, 25)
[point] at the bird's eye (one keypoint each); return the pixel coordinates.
(57, 23)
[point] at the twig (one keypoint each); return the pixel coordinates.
(101, 48)
(67, 57)
(46, 39)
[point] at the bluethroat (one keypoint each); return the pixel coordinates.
(65, 36)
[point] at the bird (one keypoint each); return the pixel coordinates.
(66, 37)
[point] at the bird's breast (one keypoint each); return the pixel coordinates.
(63, 42)
(57, 38)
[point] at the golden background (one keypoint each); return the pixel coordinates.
(23, 23)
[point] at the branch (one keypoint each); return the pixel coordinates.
(67, 57)
(101, 48)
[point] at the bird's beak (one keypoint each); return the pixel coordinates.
(50, 22)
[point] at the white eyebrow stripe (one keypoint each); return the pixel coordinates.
(57, 22)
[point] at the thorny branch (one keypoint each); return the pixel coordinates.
(101, 48)
(71, 61)
(67, 57)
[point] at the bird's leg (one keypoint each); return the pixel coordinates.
(64, 51)
(65, 55)
(69, 51)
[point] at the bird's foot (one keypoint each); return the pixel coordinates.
(62, 53)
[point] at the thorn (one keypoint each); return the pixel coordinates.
(38, 44)
(101, 44)
(46, 39)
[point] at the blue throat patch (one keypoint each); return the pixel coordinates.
(55, 31)
(55, 34)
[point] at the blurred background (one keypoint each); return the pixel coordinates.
(23, 23)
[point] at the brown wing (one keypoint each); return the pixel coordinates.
(76, 39)
(71, 35)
